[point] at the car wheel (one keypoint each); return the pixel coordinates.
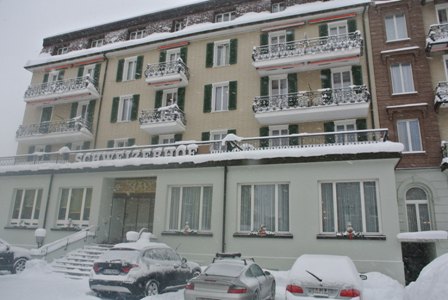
(273, 291)
(152, 288)
(257, 296)
(19, 265)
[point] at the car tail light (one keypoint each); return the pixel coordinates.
(237, 290)
(294, 289)
(350, 293)
(189, 286)
(96, 267)
(127, 268)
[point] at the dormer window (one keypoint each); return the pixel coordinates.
(178, 25)
(277, 7)
(96, 43)
(62, 50)
(225, 17)
(137, 34)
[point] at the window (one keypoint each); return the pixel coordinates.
(276, 131)
(169, 97)
(26, 207)
(129, 68)
(61, 50)
(54, 76)
(345, 125)
(396, 27)
(341, 78)
(166, 139)
(277, 7)
(89, 70)
(178, 25)
(417, 210)
(337, 28)
(409, 135)
(74, 207)
(121, 143)
(221, 53)
(225, 17)
(278, 85)
(218, 135)
(137, 34)
(277, 38)
(172, 55)
(96, 43)
(192, 206)
(125, 108)
(402, 78)
(264, 205)
(442, 13)
(220, 94)
(349, 203)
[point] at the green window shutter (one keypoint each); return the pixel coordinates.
(357, 75)
(181, 98)
(205, 136)
(155, 140)
(114, 114)
(46, 77)
(120, 70)
(325, 78)
(91, 112)
(264, 86)
(86, 145)
(289, 35)
(361, 124)
(233, 51)
(207, 98)
(209, 55)
(80, 71)
(96, 75)
(131, 142)
(183, 54)
(233, 89)
(158, 102)
(231, 131)
(73, 110)
(178, 137)
(139, 67)
(162, 57)
(293, 129)
(31, 150)
(329, 127)
(264, 39)
(110, 143)
(292, 83)
(264, 131)
(323, 30)
(351, 24)
(61, 75)
(134, 112)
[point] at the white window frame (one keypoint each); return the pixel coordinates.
(225, 17)
(80, 113)
(280, 142)
(172, 55)
(129, 68)
(278, 78)
(121, 143)
(96, 43)
(126, 103)
(363, 206)
(178, 25)
(180, 226)
(341, 70)
(61, 50)
(338, 25)
(165, 96)
(42, 112)
(252, 205)
(395, 28)
(443, 6)
(224, 58)
(416, 204)
(224, 98)
(166, 139)
(217, 146)
(89, 70)
(401, 81)
(37, 201)
(53, 76)
(277, 34)
(67, 222)
(409, 136)
(278, 7)
(345, 138)
(137, 34)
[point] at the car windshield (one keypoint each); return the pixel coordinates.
(220, 269)
(127, 255)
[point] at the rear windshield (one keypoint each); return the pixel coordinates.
(230, 270)
(125, 255)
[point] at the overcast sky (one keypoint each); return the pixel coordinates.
(24, 24)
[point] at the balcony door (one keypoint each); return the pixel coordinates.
(172, 55)
(169, 97)
(341, 81)
(45, 119)
(337, 28)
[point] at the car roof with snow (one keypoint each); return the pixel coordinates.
(139, 245)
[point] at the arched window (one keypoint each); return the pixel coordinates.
(418, 210)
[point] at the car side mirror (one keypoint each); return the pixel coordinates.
(363, 276)
(267, 273)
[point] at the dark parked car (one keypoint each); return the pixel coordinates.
(140, 268)
(12, 258)
(231, 277)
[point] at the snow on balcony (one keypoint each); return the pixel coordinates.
(167, 75)
(164, 120)
(437, 39)
(441, 98)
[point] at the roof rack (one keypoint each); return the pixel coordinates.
(219, 256)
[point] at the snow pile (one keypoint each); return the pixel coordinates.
(432, 282)
(381, 287)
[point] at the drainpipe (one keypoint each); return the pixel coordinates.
(224, 207)
(101, 101)
(366, 50)
(50, 186)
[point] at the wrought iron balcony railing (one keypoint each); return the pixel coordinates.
(59, 87)
(72, 125)
(438, 32)
(314, 46)
(166, 69)
(162, 114)
(323, 97)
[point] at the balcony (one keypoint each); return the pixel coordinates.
(59, 132)
(312, 106)
(167, 75)
(62, 91)
(309, 54)
(441, 98)
(437, 38)
(164, 120)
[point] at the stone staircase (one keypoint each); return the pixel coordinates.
(78, 263)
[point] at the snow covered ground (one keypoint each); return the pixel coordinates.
(38, 282)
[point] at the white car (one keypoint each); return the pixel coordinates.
(324, 276)
(12, 258)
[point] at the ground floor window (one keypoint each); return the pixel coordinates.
(349, 203)
(264, 205)
(190, 206)
(26, 207)
(74, 207)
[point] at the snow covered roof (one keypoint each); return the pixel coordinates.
(299, 10)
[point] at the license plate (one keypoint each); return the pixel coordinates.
(111, 272)
(319, 291)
